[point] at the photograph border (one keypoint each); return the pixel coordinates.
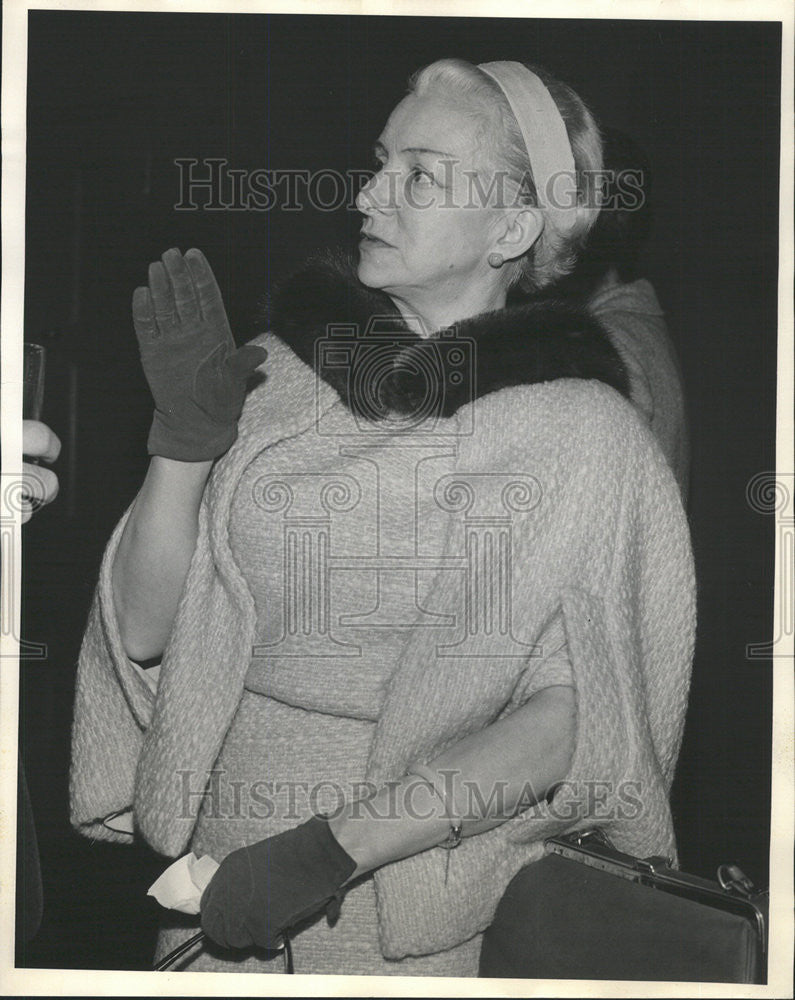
(92, 982)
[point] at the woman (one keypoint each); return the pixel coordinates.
(438, 591)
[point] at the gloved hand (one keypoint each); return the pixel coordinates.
(197, 376)
(261, 891)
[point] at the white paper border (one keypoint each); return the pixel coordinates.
(100, 983)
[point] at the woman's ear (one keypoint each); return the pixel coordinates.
(518, 231)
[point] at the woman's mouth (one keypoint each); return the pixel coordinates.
(372, 241)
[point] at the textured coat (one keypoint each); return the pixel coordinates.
(604, 539)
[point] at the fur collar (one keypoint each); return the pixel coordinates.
(323, 312)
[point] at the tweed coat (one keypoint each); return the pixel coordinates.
(597, 533)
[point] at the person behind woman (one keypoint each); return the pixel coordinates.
(608, 280)
(432, 587)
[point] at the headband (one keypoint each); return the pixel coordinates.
(546, 139)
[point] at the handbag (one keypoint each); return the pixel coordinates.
(587, 911)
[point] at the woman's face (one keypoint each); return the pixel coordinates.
(426, 231)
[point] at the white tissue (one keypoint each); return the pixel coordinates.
(120, 822)
(181, 885)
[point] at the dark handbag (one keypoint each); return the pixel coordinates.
(587, 911)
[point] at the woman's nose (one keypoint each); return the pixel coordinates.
(377, 195)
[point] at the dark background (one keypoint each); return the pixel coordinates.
(114, 99)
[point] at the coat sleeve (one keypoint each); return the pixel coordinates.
(631, 642)
(128, 731)
(112, 708)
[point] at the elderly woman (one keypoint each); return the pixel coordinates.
(432, 588)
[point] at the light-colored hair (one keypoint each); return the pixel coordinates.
(553, 255)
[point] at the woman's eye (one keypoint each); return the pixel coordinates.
(420, 176)
(376, 165)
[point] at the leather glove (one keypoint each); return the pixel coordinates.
(196, 374)
(261, 891)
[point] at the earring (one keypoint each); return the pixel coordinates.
(496, 259)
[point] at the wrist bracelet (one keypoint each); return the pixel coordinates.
(453, 838)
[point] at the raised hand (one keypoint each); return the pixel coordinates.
(196, 374)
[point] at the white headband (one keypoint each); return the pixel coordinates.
(546, 139)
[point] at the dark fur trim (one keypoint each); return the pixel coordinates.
(357, 341)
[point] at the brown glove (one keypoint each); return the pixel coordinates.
(196, 374)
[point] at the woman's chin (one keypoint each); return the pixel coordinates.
(369, 274)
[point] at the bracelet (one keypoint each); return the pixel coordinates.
(453, 838)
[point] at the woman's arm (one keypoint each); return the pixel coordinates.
(263, 890)
(154, 554)
(198, 382)
(529, 749)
